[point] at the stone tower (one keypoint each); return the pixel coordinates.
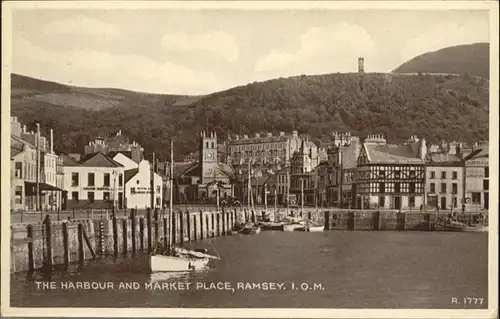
(361, 65)
(208, 157)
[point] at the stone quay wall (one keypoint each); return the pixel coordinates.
(48, 244)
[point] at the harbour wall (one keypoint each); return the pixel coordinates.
(54, 244)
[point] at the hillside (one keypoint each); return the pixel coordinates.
(29, 92)
(439, 107)
(472, 59)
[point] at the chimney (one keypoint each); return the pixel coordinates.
(295, 133)
(422, 152)
(269, 134)
(24, 128)
(245, 136)
(257, 135)
(282, 133)
(51, 141)
(237, 137)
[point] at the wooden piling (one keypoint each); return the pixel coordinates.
(376, 220)
(213, 224)
(181, 226)
(115, 235)
(87, 241)
(65, 245)
(327, 220)
(174, 228)
(223, 222)
(133, 225)
(188, 216)
(156, 224)
(350, 221)
(31, 259)
(141, 233)
(201, 224)
(195, 224)
(48, 241)
(124, 232)
(208, 230)
(253, 217)
(81, 251)
(148, 225)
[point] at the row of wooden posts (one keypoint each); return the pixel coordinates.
(220, 226)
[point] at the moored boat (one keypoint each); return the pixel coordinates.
(452, 225)
(314, 229)
(250, 229)
(293, 227)
(161, 263)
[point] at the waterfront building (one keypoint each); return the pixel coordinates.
(97, 181)
(342, 159)
(31, 156)
(477, 173)
(142, 186)
(444, 175)
(266, 148)
(113, 144)
(302, 179)
(390, 176)
(202, 180)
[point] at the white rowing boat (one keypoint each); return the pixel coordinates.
(160, 263)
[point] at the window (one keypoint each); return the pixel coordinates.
(476, 198)
(106, 196)
(433, 188)
(137, 182)
(412, 174)
(433, 174)
(74, 179)
(106, 179)
(443, 175)
(74, 196)
(454, 188)
(19, 194)
(132, 190)
(487, 171)
(120, 180)
(381, 201)
(454, 175)
(91, 197)
(158, 189)
(411, 201)
(397, 174)
(455, 202)
(19, 170)
(91, 179)
(443, 187)
(381, 174)
(397, 187)
(486, 184)
(381, 188)
(412, 188)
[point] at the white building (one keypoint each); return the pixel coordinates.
(94, 182)
(138, 191)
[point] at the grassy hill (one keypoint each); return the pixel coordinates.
(29, 92)
(438, 107)
(472, 59)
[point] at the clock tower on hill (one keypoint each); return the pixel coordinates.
(208, 157)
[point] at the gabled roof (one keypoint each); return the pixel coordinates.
(187, 169)
(483, 152)
(99, 160)
(129, 173)
(391, 154)
(350, 156)
(16, 146)
(112, 154)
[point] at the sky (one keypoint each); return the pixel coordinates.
(175, 51)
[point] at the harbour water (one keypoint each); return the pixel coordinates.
(334, 269)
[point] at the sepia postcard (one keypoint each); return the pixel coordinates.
(237, 159)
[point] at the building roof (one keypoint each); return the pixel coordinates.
(112, 154)
(483, 152)
(262, 139)
(443, 158)
(98, 160)
(68, 161)
(16, 146)
(129, 173)
(391, 154)
(349, 156)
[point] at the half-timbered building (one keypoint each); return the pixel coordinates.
(390, 176)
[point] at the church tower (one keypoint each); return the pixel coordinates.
(208, 157)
